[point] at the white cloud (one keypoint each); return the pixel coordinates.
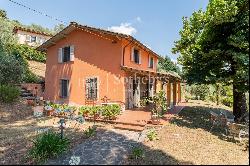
(125, 28)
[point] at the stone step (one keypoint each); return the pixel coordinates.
(26, 94)
(29, 97)
(117, 122)
(129, 127)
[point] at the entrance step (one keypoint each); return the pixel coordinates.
(129, 127)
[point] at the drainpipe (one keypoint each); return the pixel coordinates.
(124, 52)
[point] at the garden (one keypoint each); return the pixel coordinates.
(31, 137)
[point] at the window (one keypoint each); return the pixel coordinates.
(151, 62)
(64, 88)
(91, 88)
(66, 54)
(27, 39)
(33, 39)
(136, 56)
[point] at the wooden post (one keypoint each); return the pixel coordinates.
(174, 93)
(158, 86)
(168, 93)
(179, 92)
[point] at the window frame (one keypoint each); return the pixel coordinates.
(33, 37)
(61, 88)
(97, 88)
(151, 63)
(65, 59)
(138, 60)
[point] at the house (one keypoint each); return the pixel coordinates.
(86, 64)
(30, 37)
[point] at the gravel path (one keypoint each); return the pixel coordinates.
(107, 147)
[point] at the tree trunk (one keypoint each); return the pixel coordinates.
(218, 89)
(239, 103)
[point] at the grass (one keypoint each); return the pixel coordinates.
(188, 141)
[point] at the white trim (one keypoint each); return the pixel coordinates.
(139, 51)
(149, 62)
(59, 56)
(132, 58)
(72, 53)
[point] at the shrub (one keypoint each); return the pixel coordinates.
(111, 111)
(9, 93)
(152, 135)
(227, 101)
(83, 110)
(137, 153)
(48, 145)
(12, 69)
(95, 110)
(29, 53)
(90, 131)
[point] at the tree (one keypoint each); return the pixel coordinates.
(214, 48)
(7, 39)
(11, 69)
(58, 28)
(3, 13)
(167, 65)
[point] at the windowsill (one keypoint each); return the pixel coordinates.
(66, 62)
(135, 63)
(64, 98)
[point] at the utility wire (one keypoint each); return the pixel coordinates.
(56, 19)
(39, 12)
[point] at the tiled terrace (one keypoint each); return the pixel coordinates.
(137, 119)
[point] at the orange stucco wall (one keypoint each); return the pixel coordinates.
(145, 55)
(94, 57)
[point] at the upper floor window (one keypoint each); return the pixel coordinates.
(136, 57)
(91, 88)
(66, 54)
(33, 39)
(151, 62)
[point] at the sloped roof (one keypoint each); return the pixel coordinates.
(16, 28)
(73, 25)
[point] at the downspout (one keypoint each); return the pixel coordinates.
(123, 52)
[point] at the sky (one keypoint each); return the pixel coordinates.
(156, 23)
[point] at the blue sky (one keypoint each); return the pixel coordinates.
(155, 23)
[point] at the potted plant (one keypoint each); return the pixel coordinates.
(30, 102)
(84, 111)
(111, 112)
(49, 109)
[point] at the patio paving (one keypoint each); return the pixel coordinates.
(107, 147)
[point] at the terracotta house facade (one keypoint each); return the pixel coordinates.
(88, 65)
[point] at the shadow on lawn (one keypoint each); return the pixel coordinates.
(111, 148)
(199, 117)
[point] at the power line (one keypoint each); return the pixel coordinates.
(39, 12)
(54, 18)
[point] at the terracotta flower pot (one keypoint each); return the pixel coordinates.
(31, 102)
(85, 114)
(50, 112)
